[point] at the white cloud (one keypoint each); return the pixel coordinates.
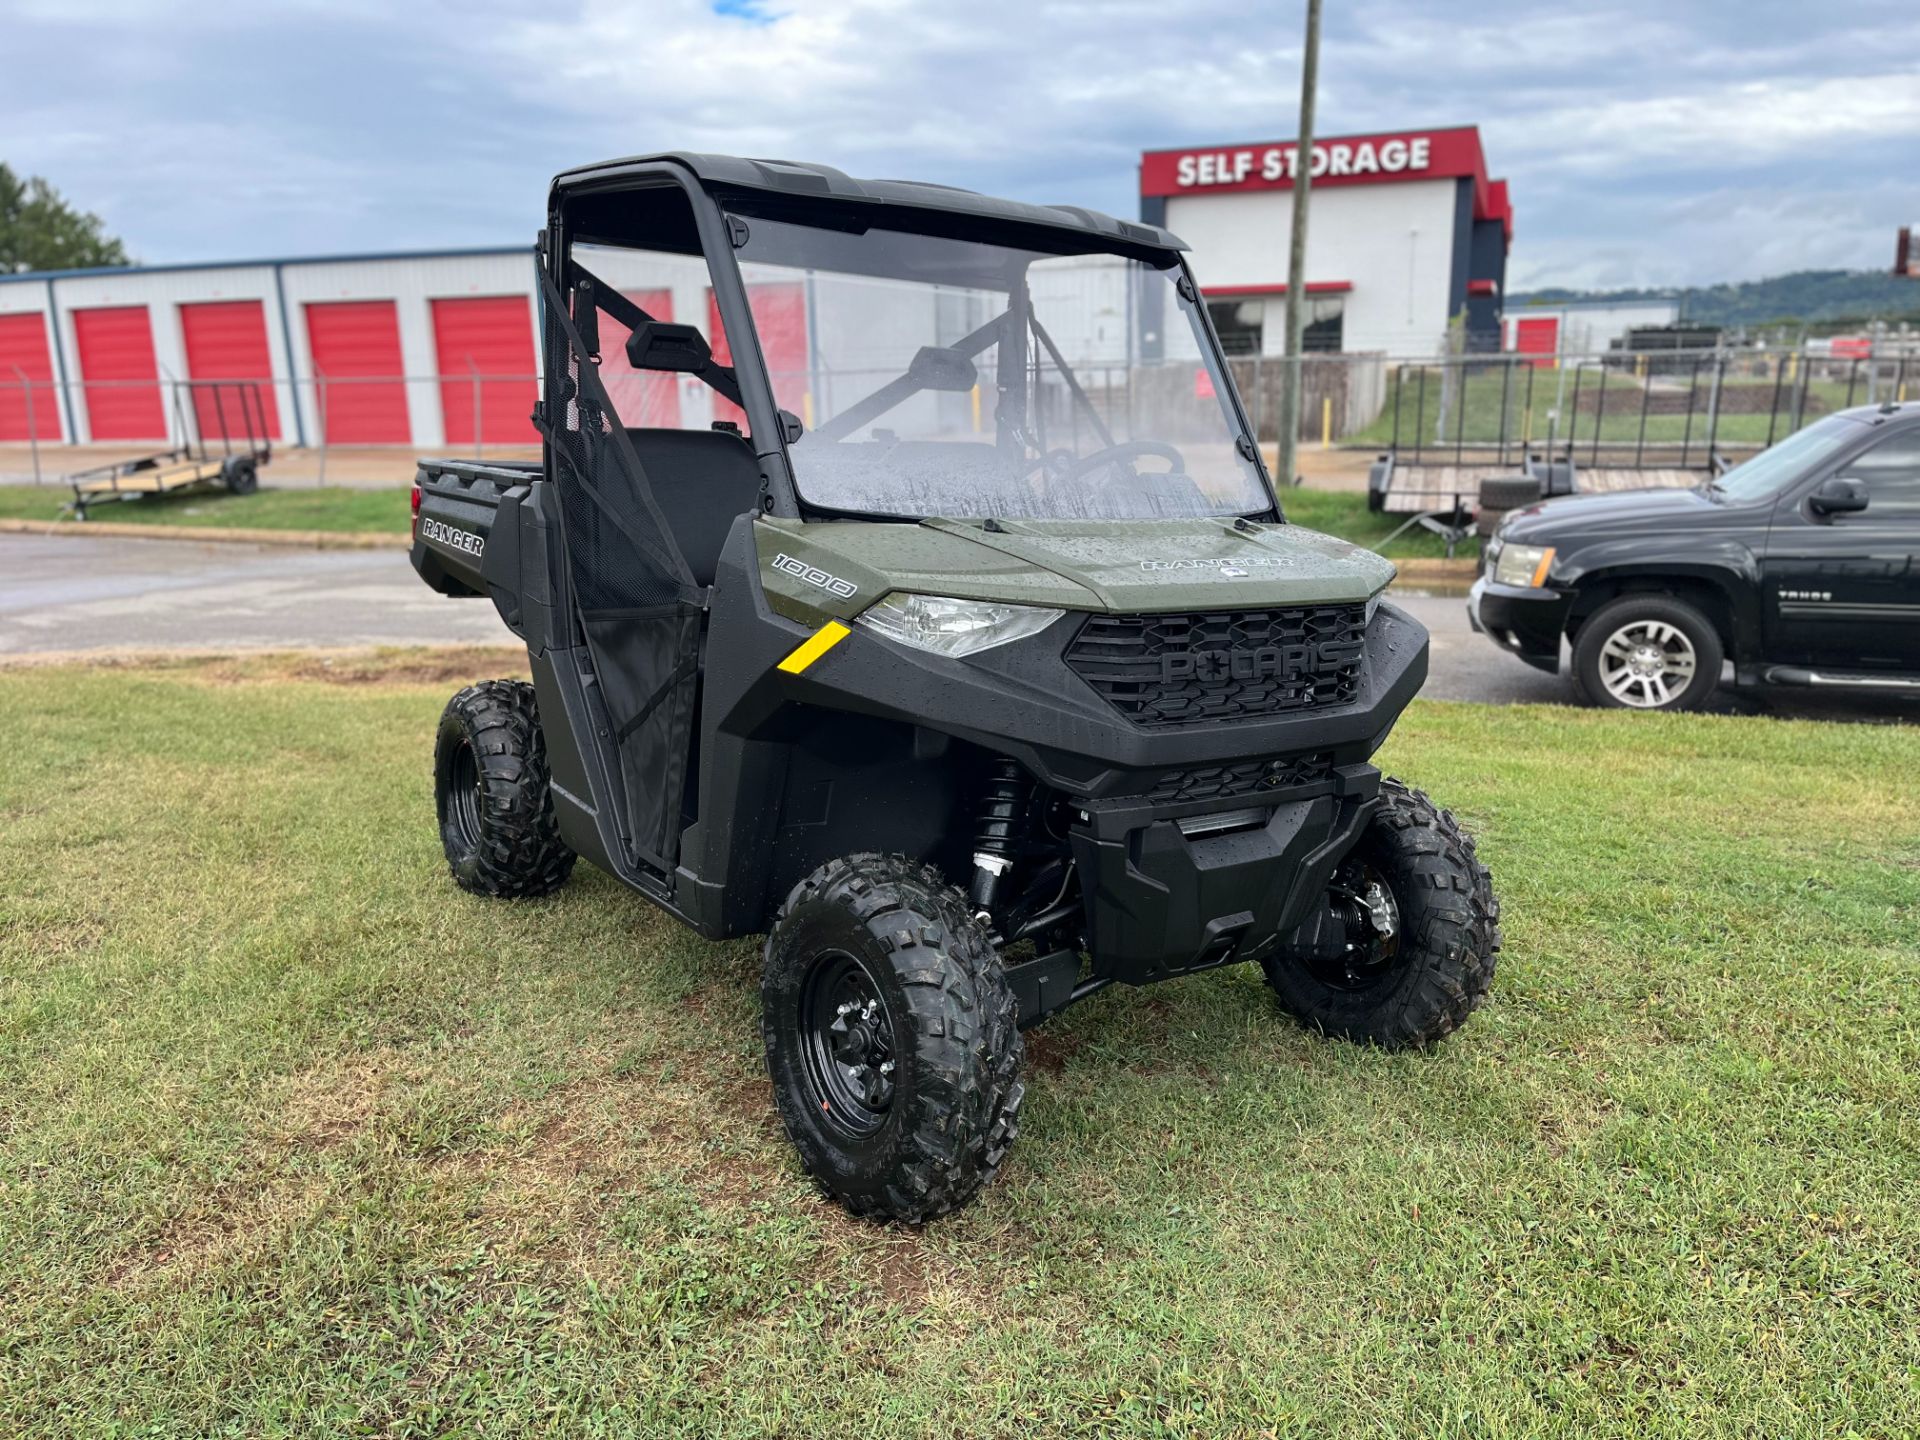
(1744, 122)
(1647, 142)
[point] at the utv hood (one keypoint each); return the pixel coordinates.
(1122, 566)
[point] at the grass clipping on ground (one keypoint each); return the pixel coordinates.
(295, 1137)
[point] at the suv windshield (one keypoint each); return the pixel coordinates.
(936, 376)
(1766, 473)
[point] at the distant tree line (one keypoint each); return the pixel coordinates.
(39, 230)
(1823, 297)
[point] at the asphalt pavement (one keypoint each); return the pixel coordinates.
(83, 593)
(80, 594)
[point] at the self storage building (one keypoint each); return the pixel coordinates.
(1407, 232)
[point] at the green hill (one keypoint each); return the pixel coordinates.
(1817, 297)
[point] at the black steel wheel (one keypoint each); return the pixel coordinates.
(847, 1035)
(1368, 917)
(242, 477)
(1405, 950)
(892, 1038)
(463, 794)
(492, 794)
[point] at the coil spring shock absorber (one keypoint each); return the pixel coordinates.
(1003, 806)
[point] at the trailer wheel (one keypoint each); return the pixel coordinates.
(1406, 949)
(493, 796)
(242, 477)
(892, 1038)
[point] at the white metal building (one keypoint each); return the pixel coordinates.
(373, 349)
(1583, 327)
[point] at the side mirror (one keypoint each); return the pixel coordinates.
(1842, 495)
(938, 368)
(662, 345)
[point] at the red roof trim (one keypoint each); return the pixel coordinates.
(1499, 207)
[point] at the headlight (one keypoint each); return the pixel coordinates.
(954, 628)
(1524, 565)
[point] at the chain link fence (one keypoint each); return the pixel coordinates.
(1670, 407)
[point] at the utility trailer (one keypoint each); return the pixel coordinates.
(229, 461)
(1461, 458)
(1443, 485)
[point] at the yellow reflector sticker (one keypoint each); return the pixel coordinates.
(817, 644)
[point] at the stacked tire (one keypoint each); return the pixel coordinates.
(1501, 494)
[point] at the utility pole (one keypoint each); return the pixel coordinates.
(1297, 260)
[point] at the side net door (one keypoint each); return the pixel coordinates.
(640, 607)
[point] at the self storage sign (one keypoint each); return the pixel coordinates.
(1355, 157)
(1358, 159)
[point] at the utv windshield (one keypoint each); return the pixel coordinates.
(949, 377)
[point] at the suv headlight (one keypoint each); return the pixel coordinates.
(954, 628)
(1524, 565)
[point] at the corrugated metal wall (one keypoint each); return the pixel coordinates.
(483, 346)
(359, 372)
(120, 377)
(26, 379)
(227, 340)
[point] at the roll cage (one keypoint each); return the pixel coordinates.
(583, 207)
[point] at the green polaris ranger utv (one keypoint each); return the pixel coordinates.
(923, 603)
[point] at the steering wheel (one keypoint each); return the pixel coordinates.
(1125, 450)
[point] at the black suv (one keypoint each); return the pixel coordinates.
(1801, 566)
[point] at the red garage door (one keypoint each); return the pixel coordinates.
(1538, 336)
(357, 370)
(780, 317)
(227, 340)
(120, 379)
(639, 397)
(23, 351)
(489, 337)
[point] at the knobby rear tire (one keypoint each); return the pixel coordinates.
(493, 795)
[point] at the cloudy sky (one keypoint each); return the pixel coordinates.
(1648, 142)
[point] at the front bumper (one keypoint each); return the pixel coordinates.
(1166, 896)
(1521, 619)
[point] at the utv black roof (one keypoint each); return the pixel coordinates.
(787, 177)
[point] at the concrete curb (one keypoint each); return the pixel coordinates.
(302, 539)
(1436, 572)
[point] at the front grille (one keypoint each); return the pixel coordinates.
(1226, 665)
(1243, 777)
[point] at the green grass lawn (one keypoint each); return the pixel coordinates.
(1344, 513)
(337, 509)
(296, 1138)
(342, 510)
(1751, 410)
